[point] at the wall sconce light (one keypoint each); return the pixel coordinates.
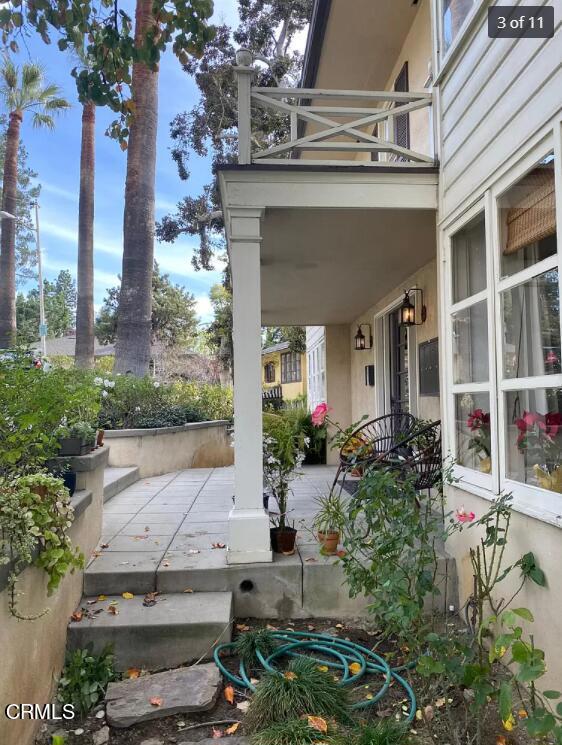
(408, 309)
(363, 342)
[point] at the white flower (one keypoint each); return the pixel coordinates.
(109, 383)
(105, 394)
(137, 408)
(98, 381)
(156, 384)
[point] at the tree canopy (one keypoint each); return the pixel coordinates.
(174, 316)
(60, 308)
(268, 29)
(104, 30)
(295, 335)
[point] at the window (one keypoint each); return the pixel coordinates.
(505, 349)
(291, 367)
(453, 14)
(398, 359)
(269, 372)
(528, 298)
(470, 348)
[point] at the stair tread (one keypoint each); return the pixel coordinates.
(170, 609)
(113, 473)
(115, 480)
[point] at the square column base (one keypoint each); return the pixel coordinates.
(248, 537)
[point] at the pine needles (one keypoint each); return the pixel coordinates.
(302, 689)
(292, 732)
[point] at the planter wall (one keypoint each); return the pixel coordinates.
(165, 449)
(33, 651)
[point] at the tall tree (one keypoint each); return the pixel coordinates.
(132, 348)
(294, 335)
(85, 339)
(28, 193)
(21, 91)
(60, 308)
(173, 321)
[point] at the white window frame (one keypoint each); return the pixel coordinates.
(535, 501)
(486, 481)
(444, 58)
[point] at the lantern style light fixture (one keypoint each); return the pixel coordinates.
(363, 342)
(408, 309)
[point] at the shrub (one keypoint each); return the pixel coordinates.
(385, 732)
(301, 690)
(85, 678)
(247, 645)
(292, 732)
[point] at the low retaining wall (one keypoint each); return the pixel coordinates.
(165, 449)
(33, 651)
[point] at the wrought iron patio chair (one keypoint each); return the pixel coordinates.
(369, 444)
(418, 456)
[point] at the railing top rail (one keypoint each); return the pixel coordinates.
(315, 93)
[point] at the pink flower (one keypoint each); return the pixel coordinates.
(478, 419)
(463, 516)
(319, 414)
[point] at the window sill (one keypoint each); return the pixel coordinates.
(470, 22)
(519, 504)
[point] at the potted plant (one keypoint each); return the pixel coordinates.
(283, 454)
(478, 422)
(327, 522)
(69, 443)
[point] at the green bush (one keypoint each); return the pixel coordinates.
(292, 732)
(33, 404)
(85, 678)
(142, 403)
(301, 690)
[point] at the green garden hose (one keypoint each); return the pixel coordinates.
(342, 655)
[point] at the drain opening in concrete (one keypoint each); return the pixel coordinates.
(246, 585)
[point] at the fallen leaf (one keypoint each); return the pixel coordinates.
(243, 706)
(428, 713)
(341, 553)
(218, 545)
(150, 599)
(147, 528)
(128, 595)
(269, 627)
(340, 626)
(509, 723)
(289, 675)
(166, 564)
(522, 714)
(229, 694)
(232, 729)
(113, 610)
(102, 597)
(311, 628)
(77, 616)
(318, 724)
(156, 701)
(311, 560)
(217, 733)
(188, 589)
(91, 602)
(194, 551)
(104, 545)
(355, 668)
(369, 696)
(322, 668)
(440, 702)
(500, 740)
(140, 537)
(242, 627)
(133, 672)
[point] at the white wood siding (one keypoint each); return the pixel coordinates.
(498, 95)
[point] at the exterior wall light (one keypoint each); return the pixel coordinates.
(408, 309)
(363, 342)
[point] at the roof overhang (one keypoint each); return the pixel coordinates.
(334, 240)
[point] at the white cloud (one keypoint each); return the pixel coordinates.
(58, 191)
(204, 308)
(68, 235)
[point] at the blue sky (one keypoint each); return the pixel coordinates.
(56, 158)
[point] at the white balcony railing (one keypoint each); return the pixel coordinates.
(333, 127)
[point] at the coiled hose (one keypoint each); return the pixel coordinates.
(352, 660)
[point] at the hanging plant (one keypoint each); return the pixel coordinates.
(35, 516)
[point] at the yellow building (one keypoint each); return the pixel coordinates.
(281, 367)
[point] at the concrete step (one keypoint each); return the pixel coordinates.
(117, 479)
(176, 629)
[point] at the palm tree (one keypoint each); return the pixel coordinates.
(21, 91)
(84, 355)
(132, 348)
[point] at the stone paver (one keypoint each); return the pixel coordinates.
(185, 690)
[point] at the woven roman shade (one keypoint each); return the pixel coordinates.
(532, 215)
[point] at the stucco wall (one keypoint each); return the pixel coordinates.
(157, 451)
(526, 534)
(363, 397)
(33, 651)
(338, 389)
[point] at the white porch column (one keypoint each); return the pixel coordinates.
(248, 522)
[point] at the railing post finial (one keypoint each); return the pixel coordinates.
(244, 73)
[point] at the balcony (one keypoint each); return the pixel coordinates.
(335, 127)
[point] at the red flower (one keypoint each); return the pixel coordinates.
(478, 419)
(553, 421)
(463, 516)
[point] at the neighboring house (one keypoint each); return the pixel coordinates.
(65, 346)
(282, 367)
(423, 155)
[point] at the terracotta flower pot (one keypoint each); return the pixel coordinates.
(329, 540)
(40, 490)
(283, 540)
(99, 440)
